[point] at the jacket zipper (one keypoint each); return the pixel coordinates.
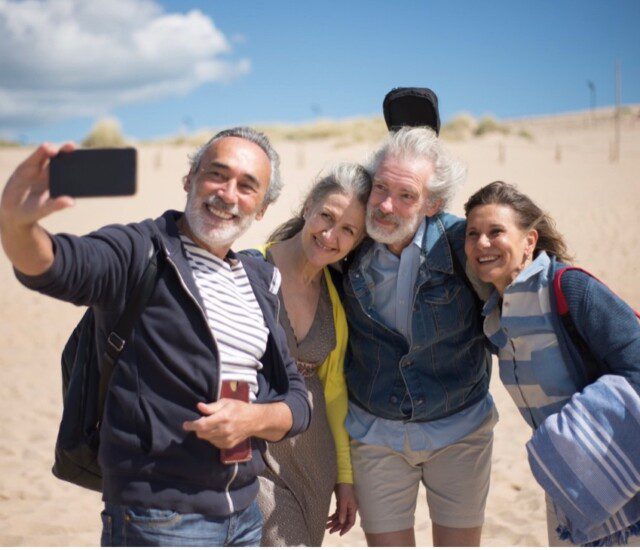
(226, 489)
(227, 493)
(204, 316)
(277, 310)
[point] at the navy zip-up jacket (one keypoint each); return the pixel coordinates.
(169, 364)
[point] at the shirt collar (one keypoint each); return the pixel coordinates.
(540, 263)
(491, 303)
(419, 236)
(436, 248)
(230, 258)
(381, 251)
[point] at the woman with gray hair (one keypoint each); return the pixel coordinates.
(302, 473)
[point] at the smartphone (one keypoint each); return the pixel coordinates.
(232, 389)
(93, 173)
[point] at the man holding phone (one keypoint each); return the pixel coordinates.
(210, 330)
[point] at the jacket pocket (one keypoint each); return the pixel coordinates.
(152, 517)
(441, 312)
(145, 433)
(439, 290)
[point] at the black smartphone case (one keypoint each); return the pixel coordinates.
(93, 173)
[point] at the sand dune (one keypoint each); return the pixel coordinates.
(565, 167)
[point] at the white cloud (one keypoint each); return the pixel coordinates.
(63, 58)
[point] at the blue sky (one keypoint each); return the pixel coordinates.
(162, 67)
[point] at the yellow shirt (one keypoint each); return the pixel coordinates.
(331, 374)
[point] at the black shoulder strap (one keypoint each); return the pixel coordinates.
(133, 309)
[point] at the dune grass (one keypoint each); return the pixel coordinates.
(460, 127)
(9, 143)
(346, 132)
(343, 132)
(106, 132)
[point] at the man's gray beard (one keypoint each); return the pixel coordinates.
(405, 230)
(219, 236)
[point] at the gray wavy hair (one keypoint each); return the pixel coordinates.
(345, 178)
(262, 141)
(423, 143)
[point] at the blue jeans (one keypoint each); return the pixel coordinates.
(137, 526)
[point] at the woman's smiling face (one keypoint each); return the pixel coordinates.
(497, 248)
(332, 228)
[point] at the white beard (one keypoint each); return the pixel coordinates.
(404, 230)
(225, 233)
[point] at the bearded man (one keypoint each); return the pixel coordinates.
(417, 370)
(212, 318)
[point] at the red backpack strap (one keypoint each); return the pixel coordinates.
(561, 301)
(592, 369)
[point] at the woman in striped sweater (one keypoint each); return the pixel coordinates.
(575, 378)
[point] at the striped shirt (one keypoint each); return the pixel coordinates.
(233, 314)
(530, 361)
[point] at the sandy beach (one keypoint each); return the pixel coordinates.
(565, 167)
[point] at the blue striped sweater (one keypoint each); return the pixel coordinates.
(531, 364)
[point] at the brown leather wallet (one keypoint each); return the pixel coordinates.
(232, 389)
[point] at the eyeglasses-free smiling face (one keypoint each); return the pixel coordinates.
(399, 200)
(333, 227)
(226, 192)
(497, 248)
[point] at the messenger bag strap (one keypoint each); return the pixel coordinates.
(124, 326)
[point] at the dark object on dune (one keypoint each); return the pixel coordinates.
(411, 107)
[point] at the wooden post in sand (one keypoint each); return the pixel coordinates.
(592, 103)
(615, 151)
(300, 156)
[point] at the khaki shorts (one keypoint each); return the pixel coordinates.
(456, 478)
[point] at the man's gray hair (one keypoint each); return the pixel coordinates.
(262, 141)
(423, 143)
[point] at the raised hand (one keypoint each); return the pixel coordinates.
(26, 200)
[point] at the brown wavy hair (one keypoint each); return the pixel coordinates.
(528, 215)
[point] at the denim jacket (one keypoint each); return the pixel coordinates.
(445, 367)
